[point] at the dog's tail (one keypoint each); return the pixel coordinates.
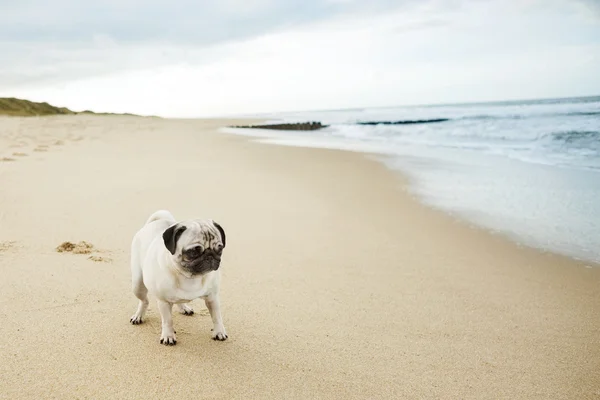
(160, 214)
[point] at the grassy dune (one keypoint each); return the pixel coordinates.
(19, 107)
(25, 108)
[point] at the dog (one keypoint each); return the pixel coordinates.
(177, 262)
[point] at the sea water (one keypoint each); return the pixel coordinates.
(527, 169)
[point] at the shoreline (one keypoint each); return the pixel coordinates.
(466, 218)
(405, 176)
(337, 282)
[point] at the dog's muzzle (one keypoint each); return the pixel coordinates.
(200, 262)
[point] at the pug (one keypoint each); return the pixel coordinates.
(177, 262)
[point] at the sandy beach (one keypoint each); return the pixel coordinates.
(337, 283)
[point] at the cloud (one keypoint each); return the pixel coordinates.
(68, 39)
(184, 21)
(290, 55)
(590, 8)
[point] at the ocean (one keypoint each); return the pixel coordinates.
(527, 169)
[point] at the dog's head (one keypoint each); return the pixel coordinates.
(196, 245)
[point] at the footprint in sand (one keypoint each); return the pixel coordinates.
(18, 154)
(82, 247)
(203, 312)
(5, 246)
(99, 259)
(40, 149)
(7, 159)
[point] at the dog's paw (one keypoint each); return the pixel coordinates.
(168, 339)
(219, 335)
(185, 309)
(136, 319)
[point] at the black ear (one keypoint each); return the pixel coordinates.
(171, 235)
(221, 231)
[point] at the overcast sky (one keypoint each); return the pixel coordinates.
(191, 58)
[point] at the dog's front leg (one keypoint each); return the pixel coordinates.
(214, 307)
(167, 336)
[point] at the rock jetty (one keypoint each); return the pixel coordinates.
(404, 122)
(298, 126)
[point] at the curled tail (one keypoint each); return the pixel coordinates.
(161, 214)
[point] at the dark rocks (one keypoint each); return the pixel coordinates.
(298, 126)
(404, 122)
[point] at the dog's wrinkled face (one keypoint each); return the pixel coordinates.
(196, 245)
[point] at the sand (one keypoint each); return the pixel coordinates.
(337, 283)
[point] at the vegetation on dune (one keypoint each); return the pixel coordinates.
(24, 108)
(19, 107)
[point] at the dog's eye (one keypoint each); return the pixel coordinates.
(219, 249)
(194, 251)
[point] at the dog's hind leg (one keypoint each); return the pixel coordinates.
(185, 309)
(139, 290)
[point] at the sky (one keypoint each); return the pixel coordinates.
(237, 57)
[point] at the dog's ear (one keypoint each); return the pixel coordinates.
(221, 231)
(171, 236)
